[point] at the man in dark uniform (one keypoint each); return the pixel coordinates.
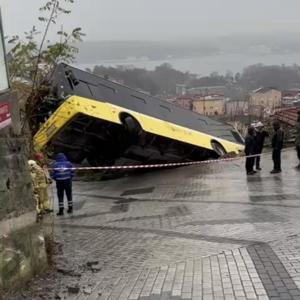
(297, 140)
(62, 172)
(277, 145)
(260, 136)
(250, 150)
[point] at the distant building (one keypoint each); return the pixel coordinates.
(291, 98)
(180, 89)
(236, 108)
(208, 90)
(263, 101)
(185, 102)
(211, 105)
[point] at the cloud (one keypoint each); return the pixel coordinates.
(161, 19)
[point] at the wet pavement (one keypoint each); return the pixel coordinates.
(203, 232)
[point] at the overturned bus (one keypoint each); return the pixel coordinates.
(107, 123)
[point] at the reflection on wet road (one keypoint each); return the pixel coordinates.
(205, 232)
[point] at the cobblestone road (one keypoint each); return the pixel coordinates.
(205, 232)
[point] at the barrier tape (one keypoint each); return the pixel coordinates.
(153, 166)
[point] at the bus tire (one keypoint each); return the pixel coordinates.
(132, 125)
(218, 148)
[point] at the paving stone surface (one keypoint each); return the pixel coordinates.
(203, 232)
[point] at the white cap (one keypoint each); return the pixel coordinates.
(32, 163)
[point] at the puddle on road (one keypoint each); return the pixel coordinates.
(193, 194)
(138, 191)
(119, 208)
(263, 179)
(273, 197)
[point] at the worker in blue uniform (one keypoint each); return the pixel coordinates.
(62, 173)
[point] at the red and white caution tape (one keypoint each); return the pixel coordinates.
(153, 166)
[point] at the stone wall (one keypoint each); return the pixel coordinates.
(15, 182)
(22, 249)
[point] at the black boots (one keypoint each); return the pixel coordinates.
(39, 217)
(275, 171)
(60, 212)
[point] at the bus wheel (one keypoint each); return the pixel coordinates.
(132, 125)
(218, 148)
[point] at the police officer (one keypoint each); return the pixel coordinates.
(62, 173)
(250, 150)
(277, 145)
(260, 136)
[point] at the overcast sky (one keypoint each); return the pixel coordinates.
(162, 19)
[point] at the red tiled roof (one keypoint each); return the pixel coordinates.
(287, 115)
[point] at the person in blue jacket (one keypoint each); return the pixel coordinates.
(62, 173)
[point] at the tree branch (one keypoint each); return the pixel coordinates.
(42, 44)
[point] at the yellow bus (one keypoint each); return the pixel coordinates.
(107, 123)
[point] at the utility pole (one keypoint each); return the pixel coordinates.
(204, 98)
